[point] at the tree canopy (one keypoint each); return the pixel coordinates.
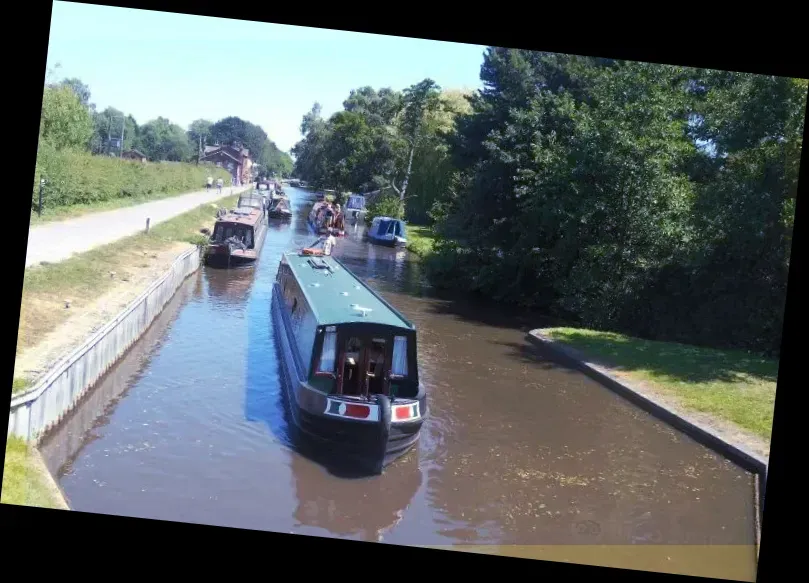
(70, 120)
(651, 199)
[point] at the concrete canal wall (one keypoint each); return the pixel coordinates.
(57, 393)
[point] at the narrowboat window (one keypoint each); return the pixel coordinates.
(228, 232)
(398, 229)
(249, 238)
(399, 364)
(327, 356)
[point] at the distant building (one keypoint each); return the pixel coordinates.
(133, 155)
(235, 159)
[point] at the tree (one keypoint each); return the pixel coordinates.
(379, 108)
(160, 139)
(81, 90)
(418, 100)
(360, 156)
(310, 158)
(229, 130)
(199, 132)
(433, 172)
(107, 124)
(65, 122)
(275, 161)
(233, 130)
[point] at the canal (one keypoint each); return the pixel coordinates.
(190, 426)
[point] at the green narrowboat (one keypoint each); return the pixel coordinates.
(348, 361)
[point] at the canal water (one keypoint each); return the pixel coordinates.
(190, 426)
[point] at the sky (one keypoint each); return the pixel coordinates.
(185, 67)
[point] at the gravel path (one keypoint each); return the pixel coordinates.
(54, 242)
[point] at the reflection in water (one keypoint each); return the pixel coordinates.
(229, 285)
(78, 428)
(361, 509)
(518, 450)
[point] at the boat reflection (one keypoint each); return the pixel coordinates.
(231, 285)
(362, 509)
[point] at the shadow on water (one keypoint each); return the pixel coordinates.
(529, 354)
(358, 508)
(79, 428)
(229, 285)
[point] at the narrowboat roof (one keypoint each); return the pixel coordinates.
(242, 216)
(248, 198)
(337, 296)
(380, 219)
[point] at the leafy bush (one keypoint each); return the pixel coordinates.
(75, 177)
(385, 205)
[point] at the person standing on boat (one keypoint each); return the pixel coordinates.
(210, 182)
(339, 222)
(329, 243)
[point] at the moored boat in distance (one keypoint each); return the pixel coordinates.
(388, 232)
(278, 195)
(355, 207)
(255, 200)
(348, 361)
(237, 239)
(327, 218)
(279, 209)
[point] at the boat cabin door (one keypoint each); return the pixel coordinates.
(364, 366)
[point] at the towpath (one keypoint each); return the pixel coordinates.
(54, 242)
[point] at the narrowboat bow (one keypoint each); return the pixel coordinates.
(279, 209)
(355, 207)
(349, 364)
(388, 232)
(237, 238)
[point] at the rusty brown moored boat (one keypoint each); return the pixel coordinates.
(237, 238)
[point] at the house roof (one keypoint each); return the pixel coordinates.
(223, 152)
(335, 294)
(230, 149)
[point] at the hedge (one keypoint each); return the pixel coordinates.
(75, 178)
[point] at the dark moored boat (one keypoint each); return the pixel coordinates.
(237, 238)
(348, 359)
(388, 232)
(279, 209)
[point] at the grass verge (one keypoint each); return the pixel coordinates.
(420, 240)
(25, 480)
(730, 385)
(19, 385)
(84, 278)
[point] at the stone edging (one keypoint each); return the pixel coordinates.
(704, 435)
(56, 393)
